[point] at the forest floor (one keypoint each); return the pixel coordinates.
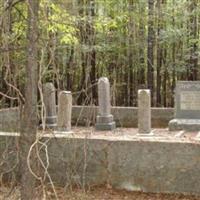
(100, 193)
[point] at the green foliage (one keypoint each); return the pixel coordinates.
(59, 22)
(71, 31)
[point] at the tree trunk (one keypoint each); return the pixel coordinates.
(130, 54)
(29, 113)
(165, 78)
(93, 52)
(69, 70)
(159, 55)
(6, 32)
(193, 24)
(142, 36)
(174, 63)
(88, 58)
(150, 49)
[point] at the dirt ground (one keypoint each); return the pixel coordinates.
(100, 193)
(110, 194)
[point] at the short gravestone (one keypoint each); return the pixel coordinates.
(187, 106)
(144, 112)
(49, 95)
(64, 111)
(104, 119)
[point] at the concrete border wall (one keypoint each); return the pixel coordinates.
(86, 115)
(9, 119)
(137, 165)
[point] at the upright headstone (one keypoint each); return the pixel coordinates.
(104, 119)
(187, 107)
(64, 111)
(144, 111)
(49, 95)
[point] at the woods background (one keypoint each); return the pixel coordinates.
(135, 43)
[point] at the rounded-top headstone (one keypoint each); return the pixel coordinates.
(50, 104)
(64, 111)
(104, 96)
(144, 111)
(104, 118)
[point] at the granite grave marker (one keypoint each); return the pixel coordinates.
(187, 106)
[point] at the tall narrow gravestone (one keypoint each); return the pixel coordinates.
(104, 119)
(144, 111)
(187, 106)
(50, 105)
(64, 111)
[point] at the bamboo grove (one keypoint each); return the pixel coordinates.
(135, 43)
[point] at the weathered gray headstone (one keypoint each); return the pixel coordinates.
(64, 111)
(104, 119)
(187, 106)
(144, 111)
(50, 105)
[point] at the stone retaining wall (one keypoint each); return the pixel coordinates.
(139, 164)
(85, 115)
(9, 119)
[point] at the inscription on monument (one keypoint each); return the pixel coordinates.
(190, 100)
(187, 107)
(187, 100)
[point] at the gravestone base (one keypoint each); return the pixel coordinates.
(50, 126)
(63, 132)
(105, 123)
(51, 120)
(184, 124)
(63, 129)
(150, 134)
(104, 119)
(51, 123)
(105, 126)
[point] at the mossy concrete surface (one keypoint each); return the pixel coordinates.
(149, 164)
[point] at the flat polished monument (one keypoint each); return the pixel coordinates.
(187, 107)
